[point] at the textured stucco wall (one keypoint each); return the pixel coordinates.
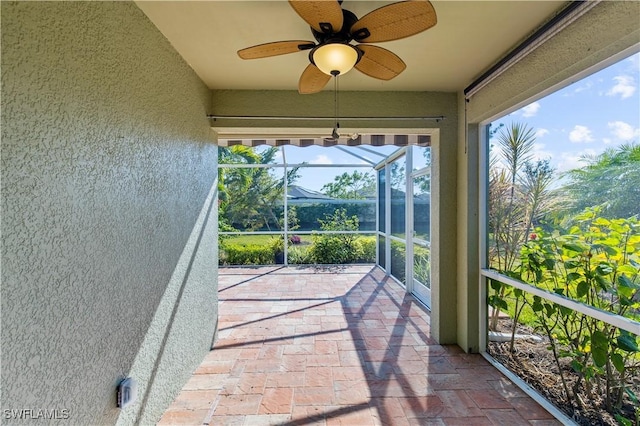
(380, 104)
(108, 211)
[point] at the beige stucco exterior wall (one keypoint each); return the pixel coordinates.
(379, 104)
(610, 28)
(109, 218)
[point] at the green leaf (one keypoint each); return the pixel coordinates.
(623, 420)
(551, 309)
(604, 284)
(624, 281)
(632, 396)
(565, 311)
(604, 269)
(496, 285)
(611, 251)
(627, 269)
(571, 264)
(574, 247)
(582, 289)
(572, 276)
(599, 348)
(600, 221)
(627, 342)
(577, 366)
(502, 304)
(618, 362)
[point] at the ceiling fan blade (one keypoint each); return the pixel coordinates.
(275, 48)
(312, 80)
(379, 63)
(395, 21)
(324, 16)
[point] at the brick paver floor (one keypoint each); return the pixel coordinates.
(338, 346)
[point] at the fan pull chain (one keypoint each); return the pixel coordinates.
(336, 87)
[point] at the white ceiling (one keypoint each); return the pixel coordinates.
(470, 36)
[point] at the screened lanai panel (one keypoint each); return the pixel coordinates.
(382, 201)
(398, 182)
(326, 193)
(252, 199)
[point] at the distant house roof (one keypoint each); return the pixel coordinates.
(299, 193)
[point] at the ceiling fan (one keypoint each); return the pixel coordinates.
(334, 28)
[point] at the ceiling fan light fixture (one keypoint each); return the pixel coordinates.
(335, 58)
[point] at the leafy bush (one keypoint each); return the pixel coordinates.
(596, 261)
(333, 249)
(299, 256)
(341, 248)
(422, 265)
(398, 259)
(251, 254)
(367, 249)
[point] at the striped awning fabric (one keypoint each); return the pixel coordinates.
(372, 140)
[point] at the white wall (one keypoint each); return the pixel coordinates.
(108, 211)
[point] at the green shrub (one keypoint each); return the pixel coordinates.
(422, 265)
(596, 262)
(299, 256)
(334, 249)
(367, 249)
(250, 254)
(398, 257)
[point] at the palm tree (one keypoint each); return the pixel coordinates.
(610, 179)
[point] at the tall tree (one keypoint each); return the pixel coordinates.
(253, 196)
(356, 185)
(519, 195)
(508, 204)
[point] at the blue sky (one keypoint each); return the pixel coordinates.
(598, 112)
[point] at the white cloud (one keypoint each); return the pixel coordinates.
(321, 159)
(531, 109)
(572, 160)
(539, 152)
(625, 86)
(580, 134)
(585, 86)
(540, 133)
(623, 131)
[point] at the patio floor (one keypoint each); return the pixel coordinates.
(338, 346)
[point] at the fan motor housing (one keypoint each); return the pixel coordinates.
(344, 35)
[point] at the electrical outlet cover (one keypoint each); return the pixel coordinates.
(127, 392)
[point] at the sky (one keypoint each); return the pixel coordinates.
(598, 112)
